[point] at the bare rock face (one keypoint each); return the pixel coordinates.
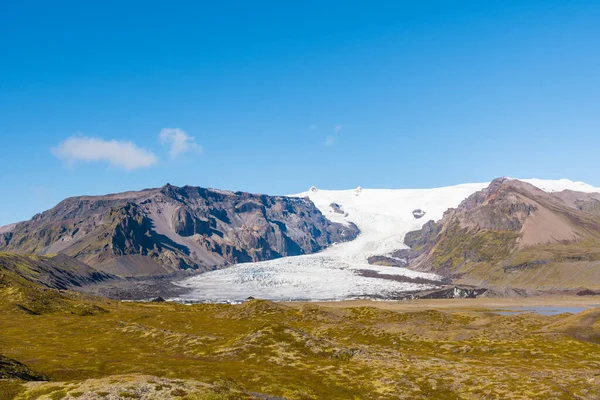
(501, 206)
(184, 223)
(7, 228)
(12, 369)
(418, 213)
(158, 231)
(337, 208)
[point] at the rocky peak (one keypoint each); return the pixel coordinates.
(504, 205)
(173, 192)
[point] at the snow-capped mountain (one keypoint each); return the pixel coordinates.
(341, 271)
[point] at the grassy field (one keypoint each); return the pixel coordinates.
(94, 348)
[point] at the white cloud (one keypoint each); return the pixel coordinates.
(329, 141)
(179, 141)
(119, 154)
(337, 128)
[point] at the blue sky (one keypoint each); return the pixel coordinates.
(277, 96)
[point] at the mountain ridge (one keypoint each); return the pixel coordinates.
(162, 230)
(513, 233)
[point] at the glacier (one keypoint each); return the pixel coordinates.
(383, 216)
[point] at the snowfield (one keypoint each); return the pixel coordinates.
(383, 216)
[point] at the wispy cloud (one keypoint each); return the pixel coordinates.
(119, 154)
(332, 139)
(179, 142)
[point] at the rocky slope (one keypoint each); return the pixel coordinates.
(160, 231)
(56, 271)
(7, 228)
(11, 369)
(513, 234)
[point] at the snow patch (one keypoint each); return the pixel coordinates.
(559, 185)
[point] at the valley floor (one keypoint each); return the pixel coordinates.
(444, 349)
(481, 304)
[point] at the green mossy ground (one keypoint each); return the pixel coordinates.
(164, 350)
(459, 246)
(494, 259)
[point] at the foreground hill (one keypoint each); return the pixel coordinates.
(513, 234)
(159, 231)
(53, 271)
(63, 345)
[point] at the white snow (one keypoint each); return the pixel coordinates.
(383, 216)
(561, 184)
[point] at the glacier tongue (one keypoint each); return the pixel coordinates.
(383, 216)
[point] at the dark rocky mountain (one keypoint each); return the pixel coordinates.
(513, 234)
(163, 230)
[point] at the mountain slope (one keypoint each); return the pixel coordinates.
(11, 369)
(53, 271)
(159, 231)
(513, 234)
(28, 286)
(7, 228)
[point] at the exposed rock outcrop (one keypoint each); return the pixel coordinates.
(337, 209)
(418, 213)
(450, 292)
(7, 228)
(387, 261)
(11, 369)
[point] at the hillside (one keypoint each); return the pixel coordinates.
(160, 231)
(53, 271)
(513, 234)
